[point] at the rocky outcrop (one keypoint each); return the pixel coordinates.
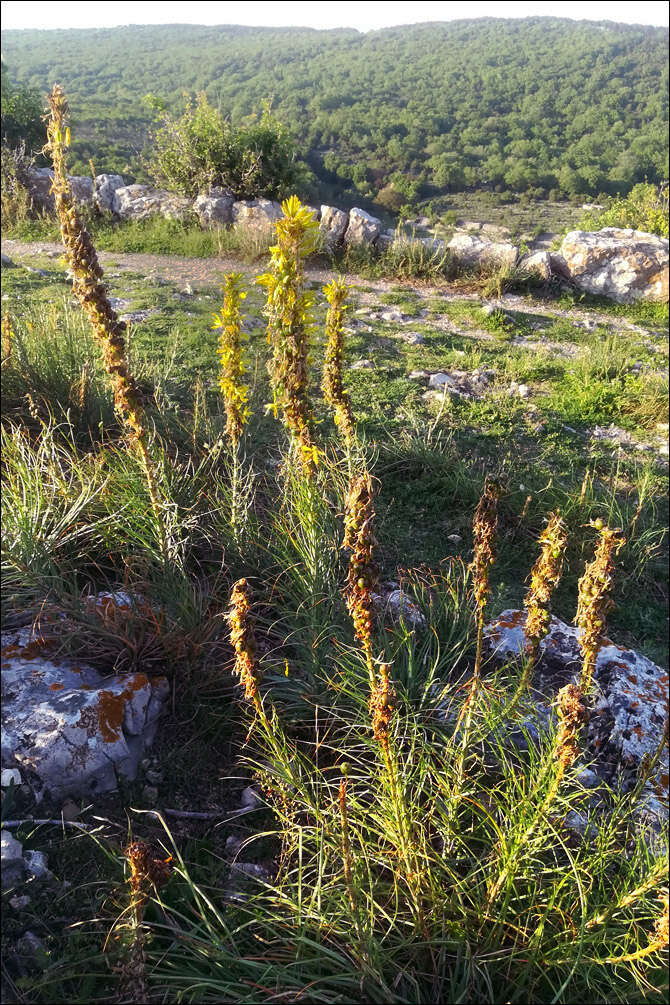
(363, 228)
(624, 265)
(214, 208)
(40, 180)
(538, 264)
(629, 703)
(334, 223)
(66, 727)
(258, 214)
(138, 202)
(103, 191)
(470, 251)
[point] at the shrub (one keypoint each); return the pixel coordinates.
(21, 115)
(17, 206)
(202, 149)
(646, 209)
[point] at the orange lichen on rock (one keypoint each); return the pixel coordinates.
(56, 686)
(111, 707)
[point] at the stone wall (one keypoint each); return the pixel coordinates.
(623, 265)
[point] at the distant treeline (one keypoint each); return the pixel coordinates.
(541, 105)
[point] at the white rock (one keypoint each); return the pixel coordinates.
(67, 726)
(257, 214)
(11, 858)
(36, 864)
(418, 375)
(624, 265)
(10, 775)
(441, 380)
(250, 797)
(400, 608)
(333, 224)
(362, 364)
(363, 228)
(470, 250)
(539, 264)
(630, 693)
(215, 207)
(103, 191)
(139, 202)
(454, 538)
(523, 390)
(391, 315)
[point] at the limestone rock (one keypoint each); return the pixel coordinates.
(538, 264)
(13, 865)
(139, 202)
(39, 182)
(363, 228)
(103, 191)
(624, 265)
(216, 207)
(333, 225)
(259, 214)
(470, 250)
(629, 700)
(69, 728)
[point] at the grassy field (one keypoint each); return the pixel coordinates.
(435, 872)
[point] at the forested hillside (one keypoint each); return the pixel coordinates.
(534, 104)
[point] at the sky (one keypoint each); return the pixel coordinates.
(363, 16)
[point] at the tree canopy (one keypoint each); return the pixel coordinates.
(528, 105)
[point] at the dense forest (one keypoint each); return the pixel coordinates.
(539, 105)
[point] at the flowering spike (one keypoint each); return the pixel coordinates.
(594, 599)
(231, 339)
(290, 324)
(544, 579)
(334, 393)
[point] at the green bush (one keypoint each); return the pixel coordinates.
(646, 209)
(202, 149)
(21, 115)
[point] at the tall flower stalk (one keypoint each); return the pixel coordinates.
(362, 574)
(485, 526)
(333, 389)
(90, 290)
(243, 641)
(290, 326)
(231, 378)
(595, 600)
(544, 579)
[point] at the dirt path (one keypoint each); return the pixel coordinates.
(197, 271)
(202, 272)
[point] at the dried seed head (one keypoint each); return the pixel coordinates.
(572, 715)
(484, 528)
(359, 539)
(382, 705)
(7, 338)
(231, 339)
(146, 867)
(662, 924)
(594, 600)
(243, 640)
(333, 390)
(88, 283)
(545, 577)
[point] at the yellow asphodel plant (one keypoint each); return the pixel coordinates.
(90, 290)
(231, 341)
(290, 325)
